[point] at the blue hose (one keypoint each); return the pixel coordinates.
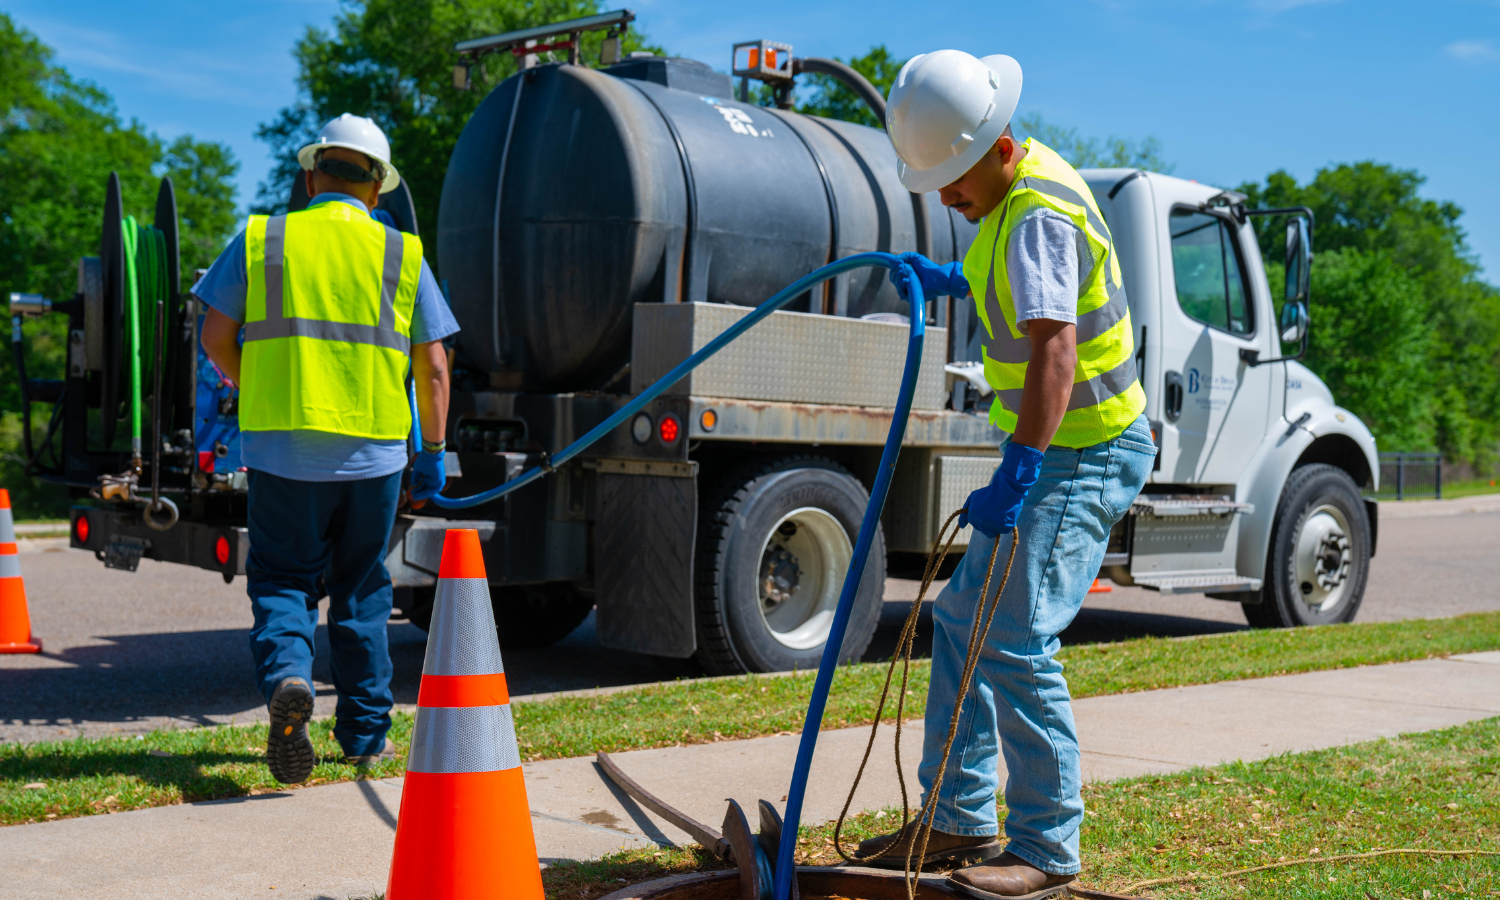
(819, 700)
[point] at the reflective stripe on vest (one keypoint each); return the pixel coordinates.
(1106, 373)
(278, 325)
(329, 300)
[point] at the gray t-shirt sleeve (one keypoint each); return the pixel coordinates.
(1046, 258)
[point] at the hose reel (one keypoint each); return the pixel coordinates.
(142, 346)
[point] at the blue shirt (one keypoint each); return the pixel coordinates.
(318, 455)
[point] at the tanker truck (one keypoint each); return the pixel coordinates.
(598, 224)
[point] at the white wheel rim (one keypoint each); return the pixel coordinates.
(1322, 560)
(799, 577)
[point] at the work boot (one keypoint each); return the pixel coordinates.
(1008, 877)
(889, 850)
(289, 751)
(366, 760)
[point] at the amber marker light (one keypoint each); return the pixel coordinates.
(708, 420)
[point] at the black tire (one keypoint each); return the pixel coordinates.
(537, 615)
(526, 616)
(1318, 560)
(823, 505)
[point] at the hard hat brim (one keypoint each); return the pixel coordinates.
(1007, 97)
(307, 158)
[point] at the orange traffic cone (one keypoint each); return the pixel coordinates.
(1099, 587)
(465, 825)
(15, 622)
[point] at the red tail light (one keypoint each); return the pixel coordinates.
(221, 550)
(669, 428)
(81, 529)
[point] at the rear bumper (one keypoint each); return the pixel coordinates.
(120, 539)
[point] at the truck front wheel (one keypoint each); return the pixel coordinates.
(526, 616)
(1319, 555)
(774, 543)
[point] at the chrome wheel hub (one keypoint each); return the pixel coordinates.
(802, 567)
(1322, 559)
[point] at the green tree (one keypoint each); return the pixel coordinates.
(1094, 153)
(1371, 344)
(59, 140)
(1375, 208)
(392, 60)
(202, 176)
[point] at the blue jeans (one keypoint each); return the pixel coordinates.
(337, 530)
(1018, 700)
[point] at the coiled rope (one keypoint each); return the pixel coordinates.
(984, 616)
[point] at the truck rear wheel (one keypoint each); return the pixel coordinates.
(526, 616)
(775, 540)
(1319, 555)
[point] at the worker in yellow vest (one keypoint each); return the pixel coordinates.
(1059, 352)
(336, 307)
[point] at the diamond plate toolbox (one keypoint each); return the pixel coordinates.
(788, 358)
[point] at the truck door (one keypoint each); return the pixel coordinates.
(1215, 404)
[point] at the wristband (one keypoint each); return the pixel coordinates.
(434, 446)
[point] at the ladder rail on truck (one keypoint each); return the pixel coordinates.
(717, 525)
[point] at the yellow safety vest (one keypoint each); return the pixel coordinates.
(1107, 396)
(328, 308)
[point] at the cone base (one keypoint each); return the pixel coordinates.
(34, 646)
(465, 837)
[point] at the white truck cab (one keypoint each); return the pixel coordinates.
(1256, 492)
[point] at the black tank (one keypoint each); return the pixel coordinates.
(647, 183)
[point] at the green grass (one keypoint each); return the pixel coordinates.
(94, 775)
(88, 776)
(1455, 489)
(1434, 790)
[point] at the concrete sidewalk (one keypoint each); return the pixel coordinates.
(335, 841)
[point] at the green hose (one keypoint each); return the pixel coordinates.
(145, 288)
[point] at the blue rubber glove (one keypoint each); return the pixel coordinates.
(935, 279)
(428, 475)
(993, 510)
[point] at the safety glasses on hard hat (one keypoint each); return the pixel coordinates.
(348, 171)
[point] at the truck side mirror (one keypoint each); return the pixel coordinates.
(1293, 322)
(1298, 261)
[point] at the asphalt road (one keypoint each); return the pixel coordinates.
(167, 646)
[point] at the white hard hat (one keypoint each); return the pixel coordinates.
(355, 133)
(945, 111)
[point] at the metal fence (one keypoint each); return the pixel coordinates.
(1411, 474)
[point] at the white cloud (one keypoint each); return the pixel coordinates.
(1478, 51)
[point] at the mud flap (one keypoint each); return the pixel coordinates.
(643, 550)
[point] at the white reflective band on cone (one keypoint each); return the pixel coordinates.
(461, 639)
(10, 566)
(449, 740)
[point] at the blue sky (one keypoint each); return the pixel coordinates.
(1233, 90)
